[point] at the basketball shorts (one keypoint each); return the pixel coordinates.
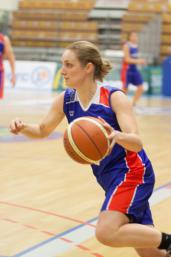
(131, 199)
(134, 78)
(1, 84)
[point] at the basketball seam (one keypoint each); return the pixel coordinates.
(76, 149)
(101, 155)
(70, 146)
(103, 130)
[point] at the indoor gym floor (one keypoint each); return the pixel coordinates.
(48, 203)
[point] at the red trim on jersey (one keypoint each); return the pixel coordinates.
(1, 84)
(123, 74)
(104, 96)
(1, 37)
(124, 194)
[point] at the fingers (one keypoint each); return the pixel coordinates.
(142, 61)
(102, 120)
(111, 134)
(108, 128)
(111, 138)
(16, 126)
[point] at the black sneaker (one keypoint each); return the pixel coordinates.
(168, 251)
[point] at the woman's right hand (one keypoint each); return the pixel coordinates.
(16, 126)
(142, 61)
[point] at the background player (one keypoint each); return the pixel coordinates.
(6, 52)
(129, 72)
(126, 174)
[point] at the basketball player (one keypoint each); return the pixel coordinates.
(126, 174)
(129, 72)
(6, 52)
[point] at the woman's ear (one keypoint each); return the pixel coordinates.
(90, 67)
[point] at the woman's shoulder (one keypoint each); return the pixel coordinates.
(69, 94)
(110, 89)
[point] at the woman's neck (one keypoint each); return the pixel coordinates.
(86, 93)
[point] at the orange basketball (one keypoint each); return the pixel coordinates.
(85, 140)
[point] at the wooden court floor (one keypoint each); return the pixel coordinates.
(48, 203)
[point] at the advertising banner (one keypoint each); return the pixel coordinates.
(31, 75)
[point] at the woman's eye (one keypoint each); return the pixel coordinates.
(70, 65)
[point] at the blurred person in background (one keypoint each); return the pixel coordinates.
(6, 52)
(129, 72)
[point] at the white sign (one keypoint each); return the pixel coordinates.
(9, 5)
(31, 75)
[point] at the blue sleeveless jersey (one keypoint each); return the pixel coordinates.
(129, 72)
(1, 51)
(133, 51)
(120, 165)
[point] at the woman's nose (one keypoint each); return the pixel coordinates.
(63, 72)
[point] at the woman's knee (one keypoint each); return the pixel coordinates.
(141, 88)
(108, 226)
(106, 235)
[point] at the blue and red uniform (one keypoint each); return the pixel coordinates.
(127, 177)
(1, 66)
(129, 72)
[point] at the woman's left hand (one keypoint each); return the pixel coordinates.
(111, 134)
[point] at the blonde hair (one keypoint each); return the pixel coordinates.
(87, 52)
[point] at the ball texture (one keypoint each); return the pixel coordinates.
(85, 140)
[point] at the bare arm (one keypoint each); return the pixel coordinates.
(46, 126)
(8, 53)
(128, 137)
(128, 58)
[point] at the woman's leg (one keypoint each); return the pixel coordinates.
(151, 252)
(113, 229)
(138, 93)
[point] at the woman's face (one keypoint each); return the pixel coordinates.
(72, 70)
(133, 37)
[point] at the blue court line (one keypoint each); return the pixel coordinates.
(67, 231)
(165, 185)
(9, 138)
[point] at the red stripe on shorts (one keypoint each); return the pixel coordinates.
(1, 84)
(123, 74)
(123, 195)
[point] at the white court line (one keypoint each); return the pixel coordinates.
(32, 102)
(160, 195)
(56, 246)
